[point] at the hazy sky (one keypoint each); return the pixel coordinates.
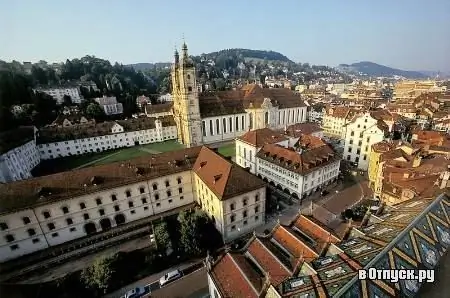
(408, 34)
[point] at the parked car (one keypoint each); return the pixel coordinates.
(169, 277)
(324, 193)
(137, 292)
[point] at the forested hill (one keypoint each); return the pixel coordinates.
(248, 54)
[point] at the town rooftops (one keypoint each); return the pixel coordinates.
(249, 96)
(412, 233)
(66, 185)
(158, 108)
(260, 137)
(225, 178)
(341, 112)
(58, 134)
(14, 138)
(295, 130)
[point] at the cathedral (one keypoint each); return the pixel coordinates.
(212, 117)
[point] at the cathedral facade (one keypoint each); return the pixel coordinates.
(213, 117)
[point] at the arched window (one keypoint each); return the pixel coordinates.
(188, 77)
(266, 118)
(217, 126)
(250, 117)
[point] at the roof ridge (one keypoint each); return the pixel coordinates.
(242, 272)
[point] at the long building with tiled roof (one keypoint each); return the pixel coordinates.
(209, 117)
(48, 211)
(286, 263)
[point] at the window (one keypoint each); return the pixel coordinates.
(230, 122)
(130, 204)
(169, 193)
(14, 247)
(170, 201)
(179, 180)
(245, 222)
(352, 133)
(128, 193)
(155, 186)
(232, 218)
(181, 198)
(3, 226)
(244, 213)
(145, 208)
(141, 189)
(35, 240)
(26, 220)
(256, 217)
(113, 197)
(224, 125)
(55, 235)
(31, 232)
(266, 118)
(349, 149)
(237, 124)
(116, 208)
(73, 229)
(86, 216)
(101, 212)
(69, 221)
(156, 196)
(360, 143)
(348, 157)
(144, 200)
(351, 141)
(167, 183)
(211, 132)
(65, 210)
(46, 214)
(98, 201)
(256, 209)
(51, 226)
(9, 238)
(82, 205)
(180, 190)
(368, 139)
(232, 206)
(233, 228)
(158, 204)
(204, 128)
(245, 201)
(217, 126)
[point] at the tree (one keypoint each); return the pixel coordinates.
(100, 274)
(220, 84)
(162, 237)
(93, 110)
(67, 100)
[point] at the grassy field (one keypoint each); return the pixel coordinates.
(227, 150)
(69, 163)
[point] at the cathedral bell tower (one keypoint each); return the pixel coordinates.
(186, 109)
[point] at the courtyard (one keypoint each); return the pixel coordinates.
(47, 167)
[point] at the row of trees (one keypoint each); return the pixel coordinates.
(189, 235)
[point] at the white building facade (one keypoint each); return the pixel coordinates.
(361, 134)
(17, 163)
(117, 137)
(110, 105)
(59, 92)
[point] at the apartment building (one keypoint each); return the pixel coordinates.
(110, 105)
(50, 210)
(18, 154)
(233, 198)
(316, 112)
(335, 120)
(54, 142)
(362, 132)
(58, 93)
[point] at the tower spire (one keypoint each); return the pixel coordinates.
(176, 55)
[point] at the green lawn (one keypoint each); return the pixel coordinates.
(227, 150)
(68, 163)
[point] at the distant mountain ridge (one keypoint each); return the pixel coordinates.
(378, 70)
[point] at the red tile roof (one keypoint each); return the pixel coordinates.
(159, 108)
(314, 230)
(298, 129)
(260, 137)
(224, 178)
(230, 279)
(292, 244)
(268, 262)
